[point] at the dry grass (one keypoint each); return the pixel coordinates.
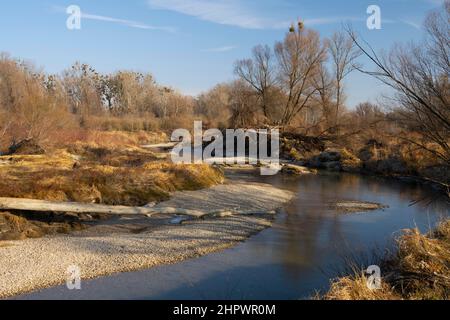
(100, 167)
(15, 227)
(103, 167)
(90, 173)
(423, 264)
(109, 139)
(349, 161)
(355, 288)
(420, 270)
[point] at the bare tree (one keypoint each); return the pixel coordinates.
(82, 85)
(32, 103)
(419, 74)
(243, 105)
(343, 54)
(325, 89)
(258, 72)
(214, 104)
(300, 57)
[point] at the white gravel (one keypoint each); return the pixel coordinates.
(133, 244)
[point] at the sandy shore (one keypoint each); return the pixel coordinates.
(128, 244)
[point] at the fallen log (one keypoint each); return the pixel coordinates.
(75, 207)
(164, 146)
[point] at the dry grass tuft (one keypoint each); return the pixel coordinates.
(355, 288)
(423, 262)
(420, 270)
(92, 173)
(15, 227)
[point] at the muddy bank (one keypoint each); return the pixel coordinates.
(133, 243)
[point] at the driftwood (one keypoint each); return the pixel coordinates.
(164, 146)
(75, 207)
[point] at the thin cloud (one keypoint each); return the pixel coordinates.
(124, 22)
(237, 13)
(128, 23)
(412, 24)
(221, 49)
(226, 12)
(331, 20)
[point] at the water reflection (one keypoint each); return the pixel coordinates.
(290, 260)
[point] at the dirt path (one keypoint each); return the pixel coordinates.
(133, 243)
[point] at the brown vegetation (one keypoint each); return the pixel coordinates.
(109, 169)
(75, 136)
(18, 227)
(409, 136)
(297, 85)
(419, 269)
(87, 173)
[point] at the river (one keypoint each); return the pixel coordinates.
(308, 245)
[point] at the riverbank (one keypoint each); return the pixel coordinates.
(127, 244)
(92, 172)
(298, 255)
(417, 270)
(391, 159)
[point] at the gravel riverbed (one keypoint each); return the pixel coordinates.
(133, 243)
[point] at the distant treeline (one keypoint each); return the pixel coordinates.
(296, 84)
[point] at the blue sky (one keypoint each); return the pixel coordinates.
(191, 44)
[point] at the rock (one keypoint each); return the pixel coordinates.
(315, 162)
(397, 165)
(373, 151)
(365, 154)
(330, 156)
(333, 166)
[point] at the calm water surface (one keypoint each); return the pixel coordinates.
(305, 248)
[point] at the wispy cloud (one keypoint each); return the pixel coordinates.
(337, 20)
(412, 24)
(331, 20)
(124, 22)
(243, 14)
(220, 49)
(128, 23)
(227, 12)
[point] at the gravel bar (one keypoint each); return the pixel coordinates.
(131, 244)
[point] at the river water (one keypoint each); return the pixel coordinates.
(308, 244)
